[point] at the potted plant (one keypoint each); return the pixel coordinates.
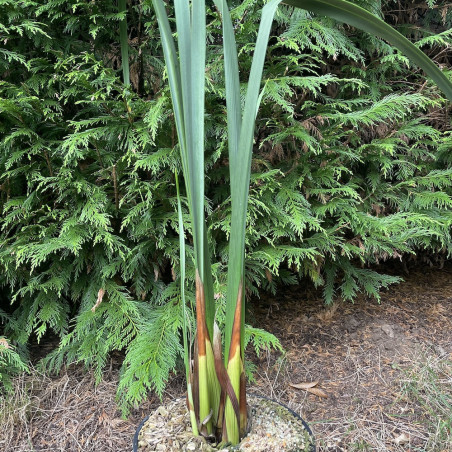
(216, 395)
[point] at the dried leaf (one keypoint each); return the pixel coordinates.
(318, 392)
(304, 385)
(207, 418)
(4, 343)
(402, 439)
(268, 275)
(100, 296)
(310, 386)
(222, 374)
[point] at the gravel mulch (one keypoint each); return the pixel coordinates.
(271, 428)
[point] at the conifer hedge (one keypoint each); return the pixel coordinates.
(352, 167)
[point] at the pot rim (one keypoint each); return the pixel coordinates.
(305, 425)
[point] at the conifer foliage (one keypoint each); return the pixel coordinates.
(351, 167)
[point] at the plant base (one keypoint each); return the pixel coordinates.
(273, 428)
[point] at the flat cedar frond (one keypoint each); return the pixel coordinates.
(151, 357)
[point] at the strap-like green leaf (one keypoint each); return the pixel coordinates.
(358, 17)
(172, 66)
(241, 152)
(182, 281)
(183, 16)
(186, 73)
(231, 69)
(124, 42)
(195, 112)
(234, 122)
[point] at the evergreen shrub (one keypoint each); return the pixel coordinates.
(352, 167)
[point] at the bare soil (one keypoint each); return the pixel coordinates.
(358, 353)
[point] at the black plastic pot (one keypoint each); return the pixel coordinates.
(135, 437)
(305, 425)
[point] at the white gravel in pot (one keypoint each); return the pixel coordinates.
(273, 428)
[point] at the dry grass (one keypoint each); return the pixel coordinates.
(411, 412)
(67, 413)
(418, 417)
(16, 410)
(427, 390)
